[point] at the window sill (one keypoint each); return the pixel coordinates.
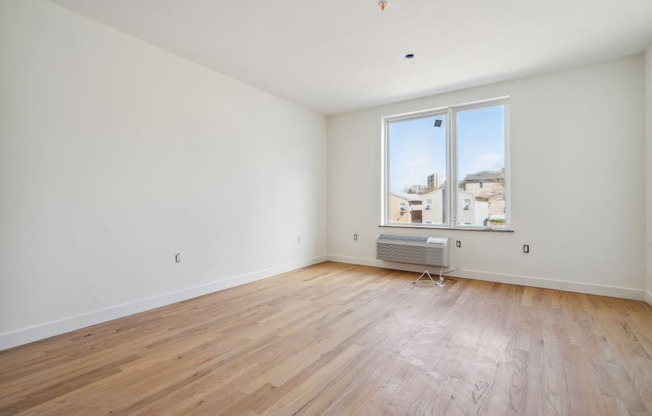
(431, 227)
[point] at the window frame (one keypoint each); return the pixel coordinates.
(450, 112)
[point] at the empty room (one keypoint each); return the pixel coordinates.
(401, 207)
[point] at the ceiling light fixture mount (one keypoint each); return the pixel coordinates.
(382, 4)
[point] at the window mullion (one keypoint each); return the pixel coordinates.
(451, 167)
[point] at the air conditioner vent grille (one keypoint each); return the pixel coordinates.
(403, 238)
(425, 251)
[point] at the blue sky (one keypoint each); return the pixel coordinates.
(418, 149)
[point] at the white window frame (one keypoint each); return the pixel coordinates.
(451, 163)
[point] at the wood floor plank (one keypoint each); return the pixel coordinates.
(336, 339)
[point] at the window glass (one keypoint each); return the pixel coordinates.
(417, 170)
(481, 166)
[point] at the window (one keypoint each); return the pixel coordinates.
(451, 164)
(467, 204)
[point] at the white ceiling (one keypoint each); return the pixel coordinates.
(339, 55)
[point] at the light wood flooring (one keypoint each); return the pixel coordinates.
(336, 339)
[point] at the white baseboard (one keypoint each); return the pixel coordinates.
(49, 329)
(589, 288)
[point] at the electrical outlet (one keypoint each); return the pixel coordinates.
(355, 237)
(298, 240)
(458, 244)
(526, 248)
(177, 257)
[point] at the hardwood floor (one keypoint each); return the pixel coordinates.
(336, 339)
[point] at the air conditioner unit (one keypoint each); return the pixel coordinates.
(424, 251)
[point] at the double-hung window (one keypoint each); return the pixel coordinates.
(450, 165)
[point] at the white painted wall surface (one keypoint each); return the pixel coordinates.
(577, 171)
(648, 185)
(115, 155)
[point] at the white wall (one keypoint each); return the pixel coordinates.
(115, 155)
(648, 185)
(578, 180)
